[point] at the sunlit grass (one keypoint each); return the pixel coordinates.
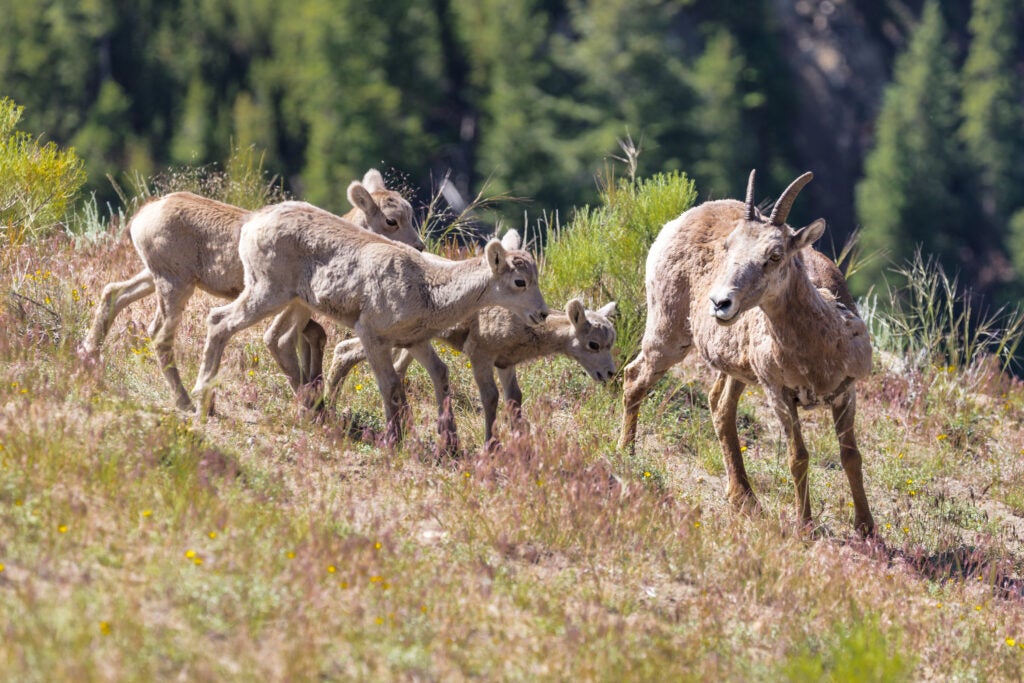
(268, 545)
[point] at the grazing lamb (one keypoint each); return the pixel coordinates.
(496, 339)
(767, 322)
(389, 294)
(187, 241)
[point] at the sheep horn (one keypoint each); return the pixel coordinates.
(749, 215)
(785, 203)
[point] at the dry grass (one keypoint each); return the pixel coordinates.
(266, 546)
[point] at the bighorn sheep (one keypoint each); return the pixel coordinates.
(496, 339)
(767, 322)
(187, 241)
(388, 293)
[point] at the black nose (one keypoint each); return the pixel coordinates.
(544, 315)
(722, 304)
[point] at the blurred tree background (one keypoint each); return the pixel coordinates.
(910, 112)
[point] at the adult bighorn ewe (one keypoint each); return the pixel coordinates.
(388, 293)
(186, 241)
(761, 306)
(496, 339)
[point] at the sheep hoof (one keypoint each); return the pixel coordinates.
(745, 502)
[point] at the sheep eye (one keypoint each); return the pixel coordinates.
(391, 221)
(593, 346)
(775, 256)
(520, 284)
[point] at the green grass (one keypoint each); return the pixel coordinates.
(263, 545)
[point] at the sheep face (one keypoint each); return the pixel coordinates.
(756, 258)
(515, 281)
(594, 337)
(384, 211)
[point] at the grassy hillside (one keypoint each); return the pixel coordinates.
(263, 545)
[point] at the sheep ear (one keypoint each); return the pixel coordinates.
(374, 181)
(608, 310)
(577, 314)
(360, 197)
(511, 240)
(805, 237)
(495, 253)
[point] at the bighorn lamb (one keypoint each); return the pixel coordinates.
(187, 241)
(389, 294)
(496, 339)
(767, 322)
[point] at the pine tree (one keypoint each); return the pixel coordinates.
(359, 87)
(915, 191)
(725, 152)
(993, 111)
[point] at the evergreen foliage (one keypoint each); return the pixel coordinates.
(916, 177)
(528, 100)
(993, 112)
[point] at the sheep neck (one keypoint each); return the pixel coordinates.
(795, 309)
(459, 289)
(556, 333)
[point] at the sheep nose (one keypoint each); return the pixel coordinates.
(543, 316)
(722, 304)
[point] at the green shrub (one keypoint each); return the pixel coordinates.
(37, 181)
(602, 254)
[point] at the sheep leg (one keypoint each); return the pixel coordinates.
(396, 406)
(448, 435)
(799, 459)
(513, 396)
(347, 354)
(115, 297)
(638, 378)
(724, 399)
(223, 322)
(402, 361)
(281, 338)
(483, 373)
(844, 410)
(171, 300)
(311, 350)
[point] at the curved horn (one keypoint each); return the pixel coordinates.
(785, 203)
(749, 214)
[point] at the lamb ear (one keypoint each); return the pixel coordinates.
(495, 253)
(608, 310)
(805, 237)
(360, 197)
(374, 181)
(577, 314)
(511, 240)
